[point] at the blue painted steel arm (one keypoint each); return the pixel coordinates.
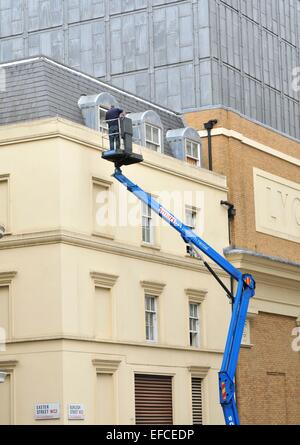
(245, 290)
(187, 234)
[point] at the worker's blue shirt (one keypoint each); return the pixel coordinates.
(112, 116)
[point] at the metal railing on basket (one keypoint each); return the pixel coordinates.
(114, 140)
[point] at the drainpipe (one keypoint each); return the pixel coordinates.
(209, 126)
(231, 216)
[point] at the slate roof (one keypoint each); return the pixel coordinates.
(40, 87)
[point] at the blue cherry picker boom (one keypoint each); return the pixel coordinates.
(245, 288)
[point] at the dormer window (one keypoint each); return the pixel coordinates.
(153, 137)
(185, 144)
(103, 126)
(94, 108)
(192, 150)
(148, 130)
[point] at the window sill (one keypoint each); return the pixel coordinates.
(151, 246)
(191, 257)
(198, 165)
(249, 346)
(109, 236)
(9, 233)
(152, 342)
(158, 150)
(195, 348)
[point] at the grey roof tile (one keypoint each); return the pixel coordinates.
(40, 87)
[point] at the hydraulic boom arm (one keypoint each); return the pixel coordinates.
(245, 290)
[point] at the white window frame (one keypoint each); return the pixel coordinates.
(102, 125)
(136, 138)
(193, 211)
(148, 215)
(150, 142)
(151, 314)
(188, 156)
(194, 334)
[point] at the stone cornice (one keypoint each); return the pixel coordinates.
(8, 365)
(251, 314)
(189, 176)
(4, 177)
(106, 366)
(251, 143)
(49, 128)
(103, 245)
(260, 256)
(199, 371)
(6, 277)
(153, 287)
(267, 270)
(102, 182)
(57, 127)
(197, 295)
(104, 280)
(116, 342)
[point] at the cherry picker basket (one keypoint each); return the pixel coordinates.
(119, 138)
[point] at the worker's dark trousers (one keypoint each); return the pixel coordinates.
(114, 138)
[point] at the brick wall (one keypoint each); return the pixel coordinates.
(236, 160)
(268, 376)
(234, 121)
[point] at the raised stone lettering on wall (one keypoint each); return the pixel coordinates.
(277, 206)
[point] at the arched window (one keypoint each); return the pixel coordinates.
(185, 144)
(148, 130)
(94, 109)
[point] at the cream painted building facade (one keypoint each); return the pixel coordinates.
(73, 291)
